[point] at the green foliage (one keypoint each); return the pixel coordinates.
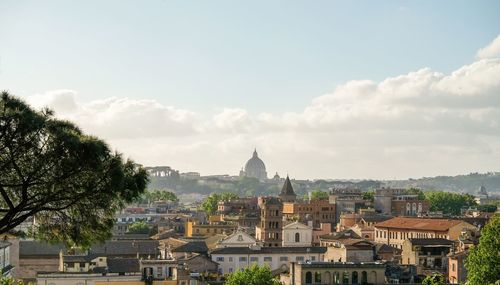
(158, 195)
(488, 208)
(253, 275)
(72, 183)
(9, 280)
(435, 279)
(319, 195)
(418, 192)
(449, 203)
(139, 227)
(483, 260)
(210, 204)
(369, 195)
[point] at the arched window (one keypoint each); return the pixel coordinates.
(336, 278)
(373, 277)
(327, 278)
(354, 279)
(364, 278)
(309, 278)
(297, 237)
(317, 277)
(345, 277)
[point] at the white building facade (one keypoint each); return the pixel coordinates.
(232, 259)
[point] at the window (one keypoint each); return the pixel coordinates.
(268, 259)
(283, 258)
(158, 271)
(243, 259)
(254, 259)
(299, 258)
(313, 258)
(317, 277)
(297, 237)
(230, 259)
(219, 258)
(453, 267)
(230, 270)
(240, 237)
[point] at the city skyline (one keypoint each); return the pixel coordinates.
(322, 91)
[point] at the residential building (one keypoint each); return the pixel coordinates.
(428, 254)
(333, 238)
(316, 211)
(347, 201)
(237, 206)
(399, 202)
(30, 257)
(232, 259)
(194, 228)
(246, 221)
(395, 231)
(350, 250)
(385, 252)
(308, 273)
(297, 234)
(457, 273)
(324, 228)
(362, 223)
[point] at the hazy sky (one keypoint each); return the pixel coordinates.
(323, 89)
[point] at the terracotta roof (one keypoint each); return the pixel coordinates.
(419, 224)
(173, 243)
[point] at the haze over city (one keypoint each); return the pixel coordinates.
(393, 90)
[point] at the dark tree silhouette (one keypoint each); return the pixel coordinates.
(71, 183)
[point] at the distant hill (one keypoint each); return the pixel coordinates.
(469, 183)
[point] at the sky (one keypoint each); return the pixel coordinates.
(322, 89)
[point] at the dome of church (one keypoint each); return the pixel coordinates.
(255, 167)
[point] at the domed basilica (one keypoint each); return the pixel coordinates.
(255, 167)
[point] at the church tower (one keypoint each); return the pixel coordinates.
(271, 222)
(287, 194)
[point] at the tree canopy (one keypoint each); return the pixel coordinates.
(483, 260)
(436, 279)
(253, 275)
(418, 192)
(72, 183)
(319, 195)
(139, 227)
(158, 195)
(449, 203)
(210, 204)
(369, 195)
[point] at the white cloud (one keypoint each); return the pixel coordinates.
(490, 51)
(421, 123)
(118, 118)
